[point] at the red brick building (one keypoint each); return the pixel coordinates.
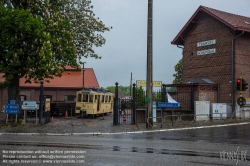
(216, 46)
(59, 89)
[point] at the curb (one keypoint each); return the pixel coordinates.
(131, 132)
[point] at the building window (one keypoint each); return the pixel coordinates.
(23, 97)
(69, 97)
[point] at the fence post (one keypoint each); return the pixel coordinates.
(133, 105)
(192, 97)
(163, 98)
(115, 119)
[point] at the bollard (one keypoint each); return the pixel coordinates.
(66, 114)
(52, 120)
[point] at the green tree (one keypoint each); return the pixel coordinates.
(178, 73)
(39, 38)
(157, 95)
(140, 96)
(86, 27)
(124, 89)
(111, 88)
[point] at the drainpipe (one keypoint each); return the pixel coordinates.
(218, 93)
(232, 81)
(182, 63)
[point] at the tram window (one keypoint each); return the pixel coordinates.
(91, 98)
(103, 98)
(79, 97)
(98, 98)
(107, 99)
(85, 98)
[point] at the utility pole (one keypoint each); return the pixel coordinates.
(149, 112)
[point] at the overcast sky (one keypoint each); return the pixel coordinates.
(125, 50)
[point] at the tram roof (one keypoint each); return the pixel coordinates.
(95, 90)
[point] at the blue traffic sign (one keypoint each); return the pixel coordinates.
(11, 108)
(168, 105)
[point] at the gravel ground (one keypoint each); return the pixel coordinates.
(102, 124)
(69, 125)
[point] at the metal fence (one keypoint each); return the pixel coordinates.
(137, 101)
(191, 120)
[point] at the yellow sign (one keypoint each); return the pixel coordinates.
(143, 83)
(47, 104)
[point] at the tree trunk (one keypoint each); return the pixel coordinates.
(14, 94)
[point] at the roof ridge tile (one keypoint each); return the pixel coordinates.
(234, 21)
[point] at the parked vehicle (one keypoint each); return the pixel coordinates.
(94, 101)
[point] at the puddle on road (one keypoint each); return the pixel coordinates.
(116, 148)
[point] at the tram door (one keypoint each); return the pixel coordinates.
(98, 102)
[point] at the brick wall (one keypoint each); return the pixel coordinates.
(216, 67)
(57, 94)
(242, 61)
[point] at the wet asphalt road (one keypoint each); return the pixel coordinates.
(181, 147)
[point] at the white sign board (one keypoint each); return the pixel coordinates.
(206, 43)
(205, 52)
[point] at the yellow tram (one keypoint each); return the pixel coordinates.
(93, 101)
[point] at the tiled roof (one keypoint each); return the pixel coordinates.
(200, 81)
(90, 78)
(69, 79)
(235, 22)
(70, 68)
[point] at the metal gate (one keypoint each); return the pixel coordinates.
(124, 109)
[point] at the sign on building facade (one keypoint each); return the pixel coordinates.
(206, 43)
